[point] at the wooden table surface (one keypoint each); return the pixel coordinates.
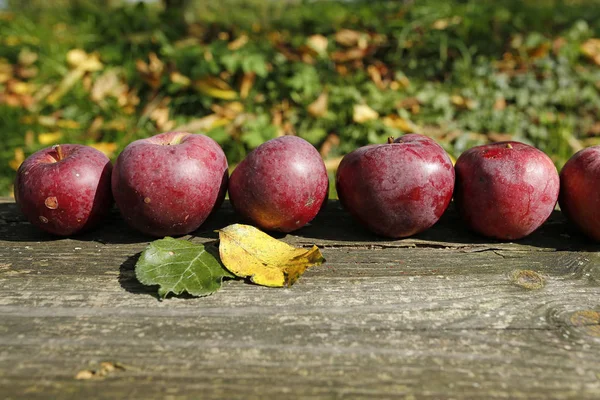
(445, 315)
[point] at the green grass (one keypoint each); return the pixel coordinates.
(464, 72)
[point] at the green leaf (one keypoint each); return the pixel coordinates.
(179, 266)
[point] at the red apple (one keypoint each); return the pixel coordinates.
(64, 189)
(579, 197)
(396, 189)
(280, 185)
(505, 190)
(168, 184)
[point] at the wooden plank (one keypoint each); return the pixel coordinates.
(439, 316)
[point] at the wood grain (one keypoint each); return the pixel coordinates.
(439, 316)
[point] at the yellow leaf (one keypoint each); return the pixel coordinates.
(49, 138)
(363, 113)
(591, 49)
(249, 253)
(79, 59)
(238, 43)
(215, 87)
(396, 122)
(318, 108)
(107, 148)
(204, 124)
(67, 124)
(348, 37)
(318, 43)
(16, 162)
(180, 79)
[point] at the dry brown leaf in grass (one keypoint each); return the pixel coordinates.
(331, 141)
(318, 108)
(350, 55)
(247, 83)
(228, 110)
(591, 49)
(6, 71)
(351, 38)
(463, 102)
(180, 79)
(49, 138)
(499, 137)
(238, 43)
(215, 87)
(594, 130)
(151, 71)
(363, 113)
(396, 122)
(500, 104)
(19, 157)
(107, 84)
(27, 57)
(204, 124)
(318, 43)
(105, 147)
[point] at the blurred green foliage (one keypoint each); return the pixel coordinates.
(339, 74)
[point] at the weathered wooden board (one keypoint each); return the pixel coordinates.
(439, 316)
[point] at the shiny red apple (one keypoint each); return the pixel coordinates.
(281, 185)
(64, 189)
(579, 197)
(168, 184)
(505, 190)
(396, 189)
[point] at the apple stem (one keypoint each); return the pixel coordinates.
(390, 140)
(508, 146)
(59, 152)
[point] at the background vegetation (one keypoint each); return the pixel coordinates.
(339, 74)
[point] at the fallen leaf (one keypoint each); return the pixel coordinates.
(27, 57)
(180, 79)
(330, 142)
(48, 138)
(178, 266)
(499, 137)
(463, 102)
(249, 253)
(350, 38)
(19, 157)
(204, 124)
(363, 113)
(79, 59)
(107, 84)
(238, 43)
(444, 23)
(67, 124)
(107, 148)
(500, 104)
(318, 43)
(151, 71)
(591, 49)
(247, 83)
(396, 122)
(350, 55)
(318, 108)
(215, 87)
(84, 374)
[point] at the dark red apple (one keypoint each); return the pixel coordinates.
(64, 189)
(397, 189)
(280, 185)
(168, 184)
(505, 190)
(579, 197)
